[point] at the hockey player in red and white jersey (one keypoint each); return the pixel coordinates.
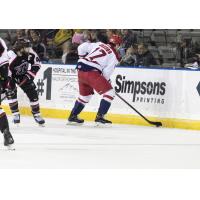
(4, 63)
(96, 63)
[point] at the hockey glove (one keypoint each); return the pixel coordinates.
(27, 77)
(5, 84)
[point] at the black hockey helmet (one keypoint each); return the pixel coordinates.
(21, 43)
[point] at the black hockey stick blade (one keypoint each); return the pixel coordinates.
(157, 124)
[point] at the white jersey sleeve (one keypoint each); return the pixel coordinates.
(109, 69)
(4, 55)
(84, 49)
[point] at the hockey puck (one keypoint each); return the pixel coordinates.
(159, 124)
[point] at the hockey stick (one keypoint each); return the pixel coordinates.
(157, 124)
(15, 89)
(6, 95)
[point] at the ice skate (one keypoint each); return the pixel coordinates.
(39, 119)
(16, 119)
(8, 139)
(74, 120)
(101, 121)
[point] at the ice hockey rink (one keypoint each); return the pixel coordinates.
(60, 146)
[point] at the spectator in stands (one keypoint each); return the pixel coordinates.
(72, 55)
(93, 35)
(66, 48)
(130, 58)
(87, 36)
(152, 38)
(111, 32)
(37, 45)
(144, 57)
(63, 40)
(52, 51)
(78, 38)
(90, 35)
(128, 37)
(186, 53)
(19, 33)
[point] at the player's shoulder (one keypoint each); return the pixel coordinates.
(33, 57)
(84, 45)
(12, 54)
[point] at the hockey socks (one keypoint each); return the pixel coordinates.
(35, 107)
(14, 107)
(104, 107)
(73, 118)
(78, 107)
(15, 111)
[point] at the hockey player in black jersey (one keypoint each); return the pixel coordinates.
(24, 65)
(4, 63)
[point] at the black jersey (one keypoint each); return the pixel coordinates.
(21, 65)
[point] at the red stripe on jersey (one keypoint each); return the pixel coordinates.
(82, 101)
(31, 73)
(107, 96)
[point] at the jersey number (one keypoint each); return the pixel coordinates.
(102, 53)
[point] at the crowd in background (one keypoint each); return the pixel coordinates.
(139, 47)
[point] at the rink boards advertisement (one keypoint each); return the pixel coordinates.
(172, 96)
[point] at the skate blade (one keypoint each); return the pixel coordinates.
(74, 124)
(41, 125)
(16, 124)
(100, 125)
(10, 148)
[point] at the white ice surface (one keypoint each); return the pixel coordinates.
(121, 146)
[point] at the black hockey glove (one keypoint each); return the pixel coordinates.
(5, 84)
(27, 77)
